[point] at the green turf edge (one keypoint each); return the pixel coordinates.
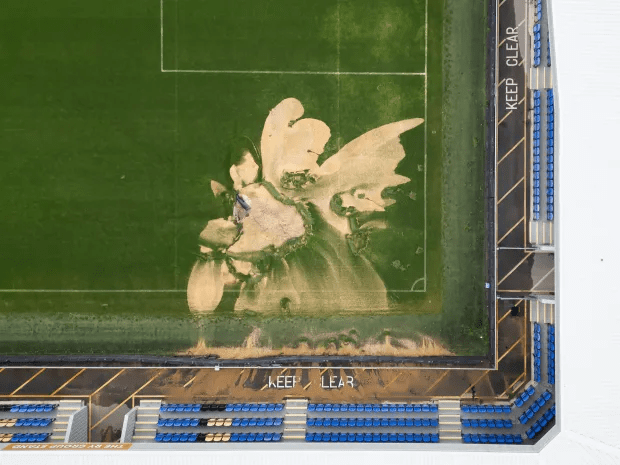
(463, 139)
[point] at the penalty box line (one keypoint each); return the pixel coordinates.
(300, 72)
(333, 73)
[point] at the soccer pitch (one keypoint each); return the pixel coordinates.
(127, 126)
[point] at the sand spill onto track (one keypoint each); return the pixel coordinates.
(250, 348)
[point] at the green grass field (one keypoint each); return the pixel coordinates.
(107, 163)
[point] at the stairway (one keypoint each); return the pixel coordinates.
(65, 409)
(449, 420)
(146, 421)
(295, 414)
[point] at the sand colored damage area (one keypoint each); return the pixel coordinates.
(292, 199)
(270, 224)
(250, 348)
(298, 250)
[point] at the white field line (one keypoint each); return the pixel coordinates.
(316, 73)
(145, 291)
(85, 291)
(161, 34)
(425, 127)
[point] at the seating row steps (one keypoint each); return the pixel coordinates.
(24, 437)
(25, 422)
(519, 401)
(493, 438)
(372, 408)
(538, 426)
(27, 408)
(486, 408)
(218, 437)
(535, 407)
(372, 422)
(213, 407)
(475, 423)
(371, 437)
(551, 354)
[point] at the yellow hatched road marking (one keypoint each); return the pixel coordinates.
(511, 229)
(510, 151)
(29, 379)
(437, 381)
(511, 189)
(510, 348)
(159, 372)
(70, 379)
(109, 381)
(515, 267)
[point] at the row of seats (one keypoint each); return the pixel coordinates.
(551, 354)
(537, 352)
(217, 422)
(371, 437)
(254, 407)
(17, 422)
(475, 423)
(493, 438)
(218, 437)
(25, 437)
(368, 422)
(541, 423)
(27, 408)
(550, 126)
(535, 407)
(221, 407)
(372, 408)
(519, 401)
(192, 408)
(255, 437)
(485, 408)
(536, 31)
(538, 10)
(536, 164)
(548, 52)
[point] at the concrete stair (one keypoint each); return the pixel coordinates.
(449, 420)
(146, 421)
(65, 409)
(295, 415)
